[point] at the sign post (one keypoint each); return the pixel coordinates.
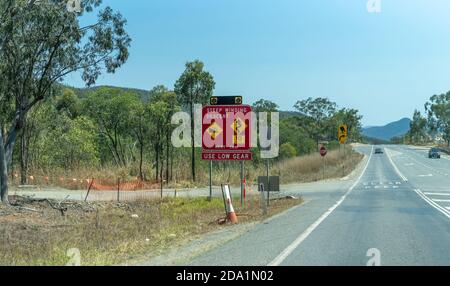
(323, 152)
(342, 137)
(242, 183)
(268, 183)
(210, 180)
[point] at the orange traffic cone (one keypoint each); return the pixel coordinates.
(231, 215)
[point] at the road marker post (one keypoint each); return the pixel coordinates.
(262, 199)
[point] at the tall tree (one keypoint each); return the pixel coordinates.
(264, 105)
(417, 130)
(194, 86)
(112, 109)
(351, 118)
(438, 109)
(318, 110)
(40, 43)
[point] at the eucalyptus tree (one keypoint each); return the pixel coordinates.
(318, 110)
(438, 109)
(194, 86)
(41, 42)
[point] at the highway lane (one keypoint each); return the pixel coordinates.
(430, 178)
(380, 212)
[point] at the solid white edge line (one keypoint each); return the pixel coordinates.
(395, 166)
(288, 250)
(433, 204)
(436, 194)
(440, 201)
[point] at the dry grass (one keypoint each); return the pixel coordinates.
(313, 167)
(107, 233)
(308, 168)
(305, 168)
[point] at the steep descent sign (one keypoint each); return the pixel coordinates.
(343, 133)
(226, 132)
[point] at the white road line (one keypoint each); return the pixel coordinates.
(286, 252)
(433, 204)
(395, 167)
(428, 175)
(437, 194)
(441, 201)
(448, 208)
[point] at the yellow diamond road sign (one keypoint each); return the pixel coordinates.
(238, 126)
(343, 133)
(214, 130)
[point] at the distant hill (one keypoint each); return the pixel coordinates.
(143, 94)
(387, 132)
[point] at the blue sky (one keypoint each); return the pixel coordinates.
(384, 64)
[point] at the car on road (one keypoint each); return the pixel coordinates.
(434, 153)
(378, 151)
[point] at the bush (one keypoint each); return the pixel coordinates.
(287, 151)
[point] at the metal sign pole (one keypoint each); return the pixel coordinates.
(263, 200)
(210, 180)
(242, 184)
(343, 162)
(323, 167)
(268, 184)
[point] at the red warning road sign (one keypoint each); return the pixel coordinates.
(227, 156)
(323, 151)
(226, 132)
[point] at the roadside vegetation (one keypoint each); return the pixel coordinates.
(110, 133)
(52, 132)
(433, 128)
(34, 232)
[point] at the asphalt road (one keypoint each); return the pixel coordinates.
(393, 210)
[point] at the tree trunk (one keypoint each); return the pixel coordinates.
(23, 155)
(167, 155)
(192, 143)
(141, 155)
(157, 161)
(3, 170)
(171, 164)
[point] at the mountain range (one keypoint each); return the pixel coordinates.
(388, 131)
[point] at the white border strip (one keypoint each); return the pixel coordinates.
(433, 204)
(286, 252)
(441, 201)
(436, 194)
(395, 166)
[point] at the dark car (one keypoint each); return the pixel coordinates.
(378, 151)
(434, 153)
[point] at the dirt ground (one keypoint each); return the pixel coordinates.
(49, 232)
